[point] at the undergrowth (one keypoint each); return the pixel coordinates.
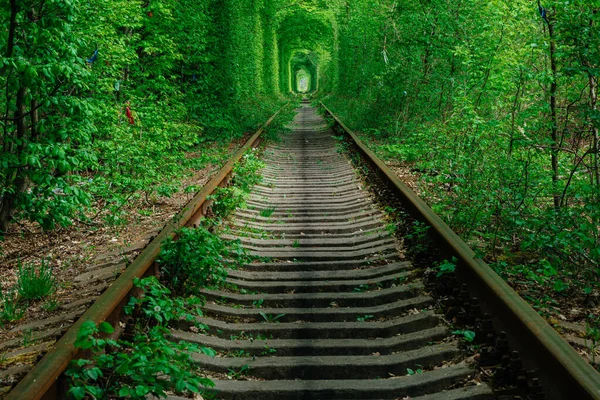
(146, 362)
(244, 176)
(34, 283)
(197, 259)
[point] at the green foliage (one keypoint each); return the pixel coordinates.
(246, 172)
(237, 374)
(258, 303)
(158, 306)
(417, 371)
(495, 111)
(197, 259)
(35, 283)
(418, 239)
(469, 336)
(189, 72)
(10, 309)
(270, 317)
(45, 123)
(225, 201)
(148, 364)
(364, 318)
(136, 369)
(51, 305)
(267, 212)
(592, 333)
(446, 267)
(245, 176)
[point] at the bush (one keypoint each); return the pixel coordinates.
(197, 260)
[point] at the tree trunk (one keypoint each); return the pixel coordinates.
(594, 107)
(553, 113)
(16, 181)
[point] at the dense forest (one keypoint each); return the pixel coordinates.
(492, 104)
(102, 99)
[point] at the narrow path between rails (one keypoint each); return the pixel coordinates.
(335, 311)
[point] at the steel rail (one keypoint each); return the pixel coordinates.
(43, 380)
(570, 376)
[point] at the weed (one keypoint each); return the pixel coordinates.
(391, 228)
(469, 336)
(268, 351)
(191, 189)
(258, 303)
(197, 260)
(267, 212)
(11, 311)
(592, 332)
(418, 239)
(236, 374)
(28, 337)
(244, 177)
(400, 280)
(158, 306)
(361, 288)
(364, 318)
(239, 353)
(270, 317)
(148, 365)
(33, 283)
(226, 200)
(51, 305)
(410, 371)
(296, 244)
(446, 267)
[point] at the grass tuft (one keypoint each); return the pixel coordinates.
(34, 283)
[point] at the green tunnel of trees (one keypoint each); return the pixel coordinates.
(492, 103)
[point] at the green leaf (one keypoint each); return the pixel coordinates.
(208, 351)
(77, 392)
(469, 336)
(94, 373)
(141, 390)
(560, 286)
(105, 327)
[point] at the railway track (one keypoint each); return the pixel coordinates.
(335, 310)
(352, 317)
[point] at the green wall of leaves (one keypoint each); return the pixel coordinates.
(494, 104)
(192, 72)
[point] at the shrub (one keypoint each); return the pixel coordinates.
(197, 259)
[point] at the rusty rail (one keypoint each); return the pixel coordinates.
(568, 375)
(42, 381)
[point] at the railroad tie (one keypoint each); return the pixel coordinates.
(333, 310)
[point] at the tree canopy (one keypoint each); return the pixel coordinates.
(494, 103)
